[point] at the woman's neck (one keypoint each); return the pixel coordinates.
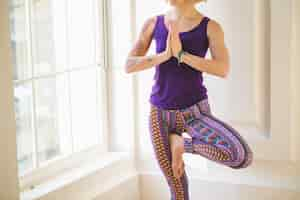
(185, 10)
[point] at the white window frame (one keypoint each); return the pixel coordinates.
(41, 173)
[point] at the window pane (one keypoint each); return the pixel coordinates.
(49, 36)
(85, 124)
(42, 34)
(121, 32)
(52, 115)
(59, 29)
(82, 33)
(18, 39)
(23, 114)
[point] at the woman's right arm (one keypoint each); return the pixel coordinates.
(136, 59)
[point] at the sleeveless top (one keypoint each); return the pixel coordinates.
(178, 87)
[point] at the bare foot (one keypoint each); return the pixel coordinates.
(177, 149)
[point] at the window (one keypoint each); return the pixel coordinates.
(58, 78)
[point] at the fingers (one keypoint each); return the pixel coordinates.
(174, 30)
(171, 28)
(169, 42)
(174, 25)
(171, 31)
(180, 170)
(169, 36)
(171, 39)
(175, 39)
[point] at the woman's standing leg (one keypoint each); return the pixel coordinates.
(159, 131)
(213, 138)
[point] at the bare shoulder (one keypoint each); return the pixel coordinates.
(144, 37)
(148, 26)
(214, 29)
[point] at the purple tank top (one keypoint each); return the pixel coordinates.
(178, 87)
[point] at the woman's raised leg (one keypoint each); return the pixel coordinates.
(213, 138)
(159, 132)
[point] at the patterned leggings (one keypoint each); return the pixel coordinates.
(210, 138)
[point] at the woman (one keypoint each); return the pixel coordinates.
(178, 100)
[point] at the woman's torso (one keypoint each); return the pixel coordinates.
(177, 87)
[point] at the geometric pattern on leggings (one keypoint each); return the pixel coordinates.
(210, 137)
(159, 137)
(213, 138)
(241, 154)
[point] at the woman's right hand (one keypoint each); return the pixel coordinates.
(168, 50)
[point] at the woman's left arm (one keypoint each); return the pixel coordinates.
(219, 64)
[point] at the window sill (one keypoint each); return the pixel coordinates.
(104, 169)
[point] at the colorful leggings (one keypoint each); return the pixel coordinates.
(210, 138)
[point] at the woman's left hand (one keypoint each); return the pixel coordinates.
(176, 45)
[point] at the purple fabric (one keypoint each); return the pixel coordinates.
(181, 86)
(210, 137)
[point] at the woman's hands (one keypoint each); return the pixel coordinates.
(175, 39)
(168, 50)
(173, 43)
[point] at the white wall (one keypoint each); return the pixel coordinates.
(295, 82)
(8, 147)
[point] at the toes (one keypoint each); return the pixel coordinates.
(175, 170)
(178, 168)
(181, 169)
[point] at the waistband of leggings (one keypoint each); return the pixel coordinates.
(192, 107)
